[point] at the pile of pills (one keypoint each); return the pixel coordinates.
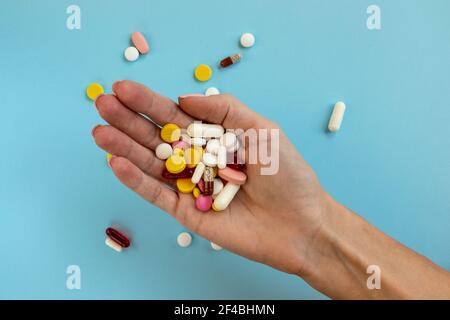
(197, 158)
(140, 46)
(116, 240)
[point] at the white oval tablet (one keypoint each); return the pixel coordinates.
(213, 146)
(212, 91)
(247, 40)
(163, 151)
(218, 186)
(209, 159)
(184, 239)
(131, 54)
(215, 246)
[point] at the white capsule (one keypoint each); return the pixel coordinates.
(247, 40)
(213, 146)
(184, 239)
(215, 246)
(209, 159)
(113, 245)
(222, 157)
(204, 130)
(198, 142)
(225, 196)
(163, 151)
(336, 117)
(131, 54)
(198, 172)
(218, 186)
(212, 91)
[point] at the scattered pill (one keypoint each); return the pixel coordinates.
(213, 146)
(202, 72)
(170, 133)
(247, 40)
(193, 155)
(209, 159)
(94, 90)
(184, 239)
(139, 42)
(131, 54)
(228, 61)
(186, 173)
(205, 130)
(180, 144)
(198, 142)
(118, 237)
(218, 186)
(108, 158)
(336, 117)
(225, 196)
(178, 151)
(113, 245)
(208, 181)
(163, 151)
(175, 163)
(185, 185)
(196, 192)
(203, 202)
(233, 176)
(212, 91)
(222, 157)
(216, 246)
(198, 173)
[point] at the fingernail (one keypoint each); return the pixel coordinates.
(191, 95)
(96, 99)
(114, 86)
(95, 128)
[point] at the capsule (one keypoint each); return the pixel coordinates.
(204, 130)
(336, 117)
(208, 181)
(224, 198)
(118, 237)
(198, 173)
(228, 61)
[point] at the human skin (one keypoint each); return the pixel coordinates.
(303, 232)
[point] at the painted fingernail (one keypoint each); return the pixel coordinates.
(191, 95)
(95, 128)
(115, 86)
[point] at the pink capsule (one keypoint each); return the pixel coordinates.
(118, 237)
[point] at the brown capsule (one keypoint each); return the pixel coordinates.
(228, 61)
(208, 181)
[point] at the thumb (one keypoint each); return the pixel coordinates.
(222, 109)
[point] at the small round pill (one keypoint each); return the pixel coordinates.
(163, 151)
(175, 163)
(209, 159)
(184, 239)
(94, 90)
(203, 202)
(212, 91)
(196, 192)
(170, 133)
(247, 40)
(203, 72)
(213, 146)
(131, 54)
(185, 185)
(216, 246)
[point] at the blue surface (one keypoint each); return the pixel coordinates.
(390, 162)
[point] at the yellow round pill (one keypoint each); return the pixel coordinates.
(185, 185)
(175, 163)
(193, 155)
(203, 72)
(94, 90)
(170, 133)
(196, 192)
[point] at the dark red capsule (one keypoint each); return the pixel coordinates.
(201, 185)
(186, 173)
(228, 61)
(208, 181)
(118, 237)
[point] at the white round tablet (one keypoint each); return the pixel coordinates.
(215, 246)
(213, 146)
(212, 91)
(209, 159)
(247, 40)
(184, 239)
(131, 54)
(163, 151)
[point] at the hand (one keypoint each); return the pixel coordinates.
(273, 219)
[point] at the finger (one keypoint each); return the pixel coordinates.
(147, 187)
(160, 109)
(131, 123)
(117, 143)
(223, 109)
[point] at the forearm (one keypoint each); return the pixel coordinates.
(346, 245)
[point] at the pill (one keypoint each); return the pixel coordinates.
(228, 61)
(218, 186)
(201, 185)
(336, 117)
(225, 196)
(193, 155)
(234, 148)
(185, 185)
(180, 144)
(247, 40)
(178, 151)
(215, 246)
(196, 192)
(203, 202)
(139, 42)
(222, 157)
(131, 54)
(185, 138)
(204, 130)
(213, 146)
(208, 181)
(228, 140)
(184, 239)
(108, 159)
(163, 151)
(198, 173)
(94, 90)
(170, 133)
(198, 142)
(175, 163)
(212, 91)
(186, 173)
(202, 72)
(233, 176)
(118, 237)
(112, 244)
(209, 159)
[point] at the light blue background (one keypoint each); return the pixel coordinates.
(390, 162)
